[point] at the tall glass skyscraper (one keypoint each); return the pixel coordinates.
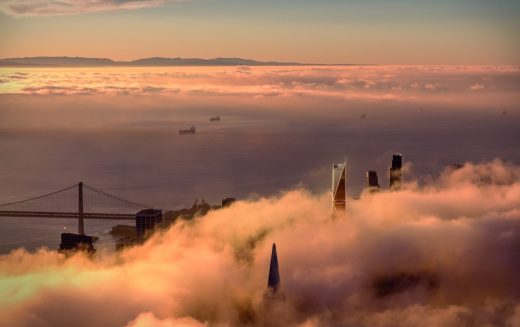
(339, 173)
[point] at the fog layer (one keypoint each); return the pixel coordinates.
(444, 254)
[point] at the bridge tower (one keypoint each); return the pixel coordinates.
(81, 226)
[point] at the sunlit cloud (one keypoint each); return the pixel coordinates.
(369, 83)
(444, 254)
(22, 8)
(477, 87)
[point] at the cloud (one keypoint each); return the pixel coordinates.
(24, 8)
(379, 83)
(149, 320)
(477, 87)
(444, 254)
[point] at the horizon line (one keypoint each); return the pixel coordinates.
(4, 62)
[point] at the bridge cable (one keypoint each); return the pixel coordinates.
(38, 197)
(135, 204)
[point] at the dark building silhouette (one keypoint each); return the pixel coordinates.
(273, 281)
(146, 223)
(372, 181)
(274, 298)
(125, 242)
(339, 173)
(76, 242)
(396, 171)
(226, 202)
(273, 292)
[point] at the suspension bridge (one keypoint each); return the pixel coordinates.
(79, 201)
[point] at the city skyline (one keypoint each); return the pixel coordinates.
(251, 163)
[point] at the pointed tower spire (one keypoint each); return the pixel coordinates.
(273, 281)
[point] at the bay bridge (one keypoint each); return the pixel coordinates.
(79, 201)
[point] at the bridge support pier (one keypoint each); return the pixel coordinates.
(81, 226)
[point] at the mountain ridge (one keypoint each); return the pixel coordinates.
(65, 61)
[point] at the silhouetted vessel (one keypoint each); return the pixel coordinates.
(215, 118)
(190, 130)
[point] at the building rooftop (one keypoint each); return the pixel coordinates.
(150, 212)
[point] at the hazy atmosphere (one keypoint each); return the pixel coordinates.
(281, 127)
(259, 163)
(308, 31)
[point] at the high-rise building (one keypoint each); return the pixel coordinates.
(273, 281)
(76, 242)
(226, 202)
(395, 171)
(273, 295)
(339, 172)
(147, 221)
(372, 181)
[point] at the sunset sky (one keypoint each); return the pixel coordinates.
(441, 88)
(330, 31)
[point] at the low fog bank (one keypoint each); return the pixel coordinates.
(440, 254)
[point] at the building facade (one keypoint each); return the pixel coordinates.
(396, 171)
(339, 173)
(146, 223)
(274, 298)
(372, 181)
(71, 243)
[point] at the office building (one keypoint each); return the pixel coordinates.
(146, 223)
(396, 171)
(372, 181)
(339, 185)
(76, 242)
(273, 295)
(226, 202)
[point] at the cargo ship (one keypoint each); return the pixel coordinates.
(187, 131)
(215, 118)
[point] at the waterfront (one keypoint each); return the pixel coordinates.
(34, 233)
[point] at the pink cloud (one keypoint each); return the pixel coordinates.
(23, 8)
(440, 255)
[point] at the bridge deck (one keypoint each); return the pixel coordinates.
(71, 215)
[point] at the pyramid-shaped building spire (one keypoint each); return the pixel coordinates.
(273, 281)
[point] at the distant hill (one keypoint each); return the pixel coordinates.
(204, 62)
(156, 61)
(56, 61)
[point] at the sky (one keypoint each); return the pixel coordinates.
(330, 31)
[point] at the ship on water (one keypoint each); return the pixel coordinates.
(190, 130)
(214, 118)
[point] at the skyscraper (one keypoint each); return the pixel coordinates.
(146, 222)
(395, 171)
(339, 172)
(71, 243)
(226, 202)
(372, 181)
(273, 281)
(273, 296)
